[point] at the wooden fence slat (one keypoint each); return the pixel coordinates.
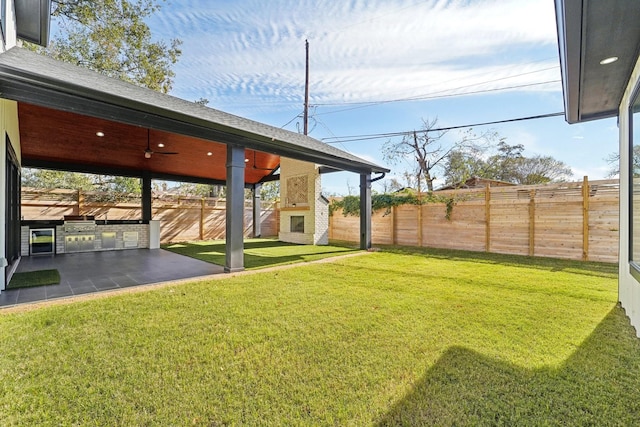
(532, 222)
(566, 220)
(556, 222)
(487, 218)
(585, 218)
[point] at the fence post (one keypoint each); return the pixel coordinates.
(80, 201)
(419, 206)
(532, 222)
(585, 218)
(202, 204)
(487, 218)
(393, 225)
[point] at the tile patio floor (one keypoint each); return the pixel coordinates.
(82, 273)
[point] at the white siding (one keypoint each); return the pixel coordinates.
(8, 126)
(9, 40)
(628, 287)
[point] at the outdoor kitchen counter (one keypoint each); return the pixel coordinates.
(89, 236)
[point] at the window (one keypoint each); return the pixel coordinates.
(297, 224)
(12, 227)
(3, 19)
(634, 173)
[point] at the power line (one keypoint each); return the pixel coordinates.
(411, 98)
(289, 122)
(422, 98)
(354, 138)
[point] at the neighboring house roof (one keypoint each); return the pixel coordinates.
(590, 31)
(477, 182)
(41, 81)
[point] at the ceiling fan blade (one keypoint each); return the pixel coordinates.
(148, 152)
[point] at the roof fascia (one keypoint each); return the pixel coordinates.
(18, 85)
(569, 22)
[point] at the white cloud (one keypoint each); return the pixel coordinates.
(247, 51)
(368, 157)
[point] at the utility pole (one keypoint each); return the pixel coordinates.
(306, 91)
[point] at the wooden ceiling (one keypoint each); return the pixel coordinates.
(48, 135)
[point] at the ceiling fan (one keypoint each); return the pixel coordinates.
(148, 152)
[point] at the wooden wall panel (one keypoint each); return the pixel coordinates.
(406, 226)
(510, 226)
(557, 213)
(180, 219)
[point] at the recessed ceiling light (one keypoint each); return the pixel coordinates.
(609, 60)
(161, 145)
(209, 153)
(100, 134)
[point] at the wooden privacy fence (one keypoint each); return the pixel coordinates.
(566, 220)
(181, 218)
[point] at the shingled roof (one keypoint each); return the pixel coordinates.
(36, 79)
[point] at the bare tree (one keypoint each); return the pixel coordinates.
(613, 159)
(390, 185)
(426, 151)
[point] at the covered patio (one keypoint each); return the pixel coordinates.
(91, 272)
(74, 119)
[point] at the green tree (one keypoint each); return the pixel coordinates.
(504, 166)
(50, 179)
(117, 184)
(462, 164)
(111, 37)
(270, 191)
(541, 170)
(196, 190)
(507, 163)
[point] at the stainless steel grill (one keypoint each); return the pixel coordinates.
(79, 226)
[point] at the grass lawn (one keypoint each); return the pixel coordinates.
(258, 253)
(388, 338)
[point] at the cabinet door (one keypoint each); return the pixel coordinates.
(42, 241)
(72, 243)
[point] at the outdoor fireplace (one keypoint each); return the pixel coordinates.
(304, 212)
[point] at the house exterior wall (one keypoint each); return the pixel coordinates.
(300, 195)
(321, 235)
(9, 36)
(628, 286)
(8, 127)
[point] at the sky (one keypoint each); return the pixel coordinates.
(384, 66)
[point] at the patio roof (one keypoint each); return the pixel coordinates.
(61, 107)
(590, 31)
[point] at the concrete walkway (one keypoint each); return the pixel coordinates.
(90, 272)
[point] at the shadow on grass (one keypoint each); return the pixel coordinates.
(598, 385)
(258, 253)
(590, 268)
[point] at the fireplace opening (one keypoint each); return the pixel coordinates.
(297, 224)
